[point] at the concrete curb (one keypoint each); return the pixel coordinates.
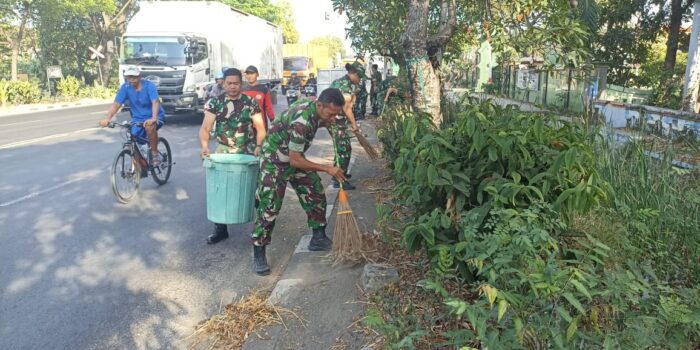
(26, 109)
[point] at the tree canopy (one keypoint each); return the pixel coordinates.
(334, 45)
(280, 14)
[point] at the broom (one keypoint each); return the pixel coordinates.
(371, 152)
(347, 239)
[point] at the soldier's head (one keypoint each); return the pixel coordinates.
(375, 67)
(355, 72)
(232, 82)
(311, 75)
(329, 104)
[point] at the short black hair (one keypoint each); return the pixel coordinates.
(233, 72)
(332, 96)
(375, 66)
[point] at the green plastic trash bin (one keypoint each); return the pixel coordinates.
(231, 184)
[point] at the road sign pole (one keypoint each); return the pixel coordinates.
(99, 69)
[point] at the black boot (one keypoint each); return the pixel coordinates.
(260, 261)
(319, 240)
(220, 234)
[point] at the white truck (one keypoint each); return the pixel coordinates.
(181, 45)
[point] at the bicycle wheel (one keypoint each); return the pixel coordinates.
(126, 176)
(161, 173)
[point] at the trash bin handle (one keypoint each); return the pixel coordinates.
(207, 163)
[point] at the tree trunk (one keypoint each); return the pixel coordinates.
(106, 64)
(673, 34)
(692, 71)
(17, 40)
(425, 82)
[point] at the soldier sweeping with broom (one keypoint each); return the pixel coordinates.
(283, 160)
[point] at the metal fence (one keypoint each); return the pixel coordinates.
(562, 89)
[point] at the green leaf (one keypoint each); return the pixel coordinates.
(502, 307)
(571, 330)
(564, 314)
(579, 286)
(432, 175)
(574, 302)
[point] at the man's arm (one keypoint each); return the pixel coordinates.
(204, 132)
(297, 160)
(113, 109)
(155, 110)
(259, 125)
(269, 111)
(347, 108)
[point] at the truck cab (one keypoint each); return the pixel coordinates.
(177, 63)
(303, 66)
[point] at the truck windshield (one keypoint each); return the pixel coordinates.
(153, 51)
(296, 63)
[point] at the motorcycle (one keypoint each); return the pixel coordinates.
(309, 90)
(292, 94)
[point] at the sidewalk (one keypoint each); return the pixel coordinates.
(40, 107)
(327, 298)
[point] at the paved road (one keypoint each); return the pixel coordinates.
(80, 271)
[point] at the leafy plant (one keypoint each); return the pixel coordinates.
(542, 235)
(68, 86)
(19, 92)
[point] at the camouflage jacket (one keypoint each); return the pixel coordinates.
(348, 89)
(234, 122)
(293, 131)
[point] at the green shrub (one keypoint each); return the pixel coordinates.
(496, 198)
(96, 92)
(68, 86)
(19, 92)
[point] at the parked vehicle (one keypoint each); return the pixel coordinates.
(181, 45)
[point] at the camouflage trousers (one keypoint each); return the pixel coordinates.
(360, 107)
(343, 148)
(373, 101)
(272, 185)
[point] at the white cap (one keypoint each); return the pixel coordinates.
(132, 71)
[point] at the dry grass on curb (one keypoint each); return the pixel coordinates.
(231, 328)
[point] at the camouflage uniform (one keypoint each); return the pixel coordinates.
(339, 130)
(374, 92)
(294, 131)
(360, 107)
(234, 123)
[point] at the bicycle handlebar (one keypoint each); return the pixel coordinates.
(124, 124)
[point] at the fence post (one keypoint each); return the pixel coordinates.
(546, 87)
(568, 89)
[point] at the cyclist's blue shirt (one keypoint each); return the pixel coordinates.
(140, 101)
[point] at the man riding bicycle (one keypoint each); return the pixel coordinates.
(144, 102)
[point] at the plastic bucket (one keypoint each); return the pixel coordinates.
(231, 184)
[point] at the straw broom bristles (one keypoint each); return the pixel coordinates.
(347, 238)
(371, 152)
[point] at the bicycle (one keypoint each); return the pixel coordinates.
(130, 165)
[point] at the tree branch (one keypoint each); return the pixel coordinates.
(448, 19)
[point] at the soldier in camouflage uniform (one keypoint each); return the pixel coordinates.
(339, 131)
(373, 91)
(236, 115)
(283, 161)
(360, 106)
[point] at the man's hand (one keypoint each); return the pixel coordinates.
(150, 122)
(337, 173)
(104, 122)
(257, 151)
(354, 128)
(205, 152)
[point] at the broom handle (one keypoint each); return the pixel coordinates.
(335, 150)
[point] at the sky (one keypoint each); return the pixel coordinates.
(310, 20)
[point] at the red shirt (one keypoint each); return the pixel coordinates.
(261, 94)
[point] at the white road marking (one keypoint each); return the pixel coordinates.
(26, 142)
(49, 189)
